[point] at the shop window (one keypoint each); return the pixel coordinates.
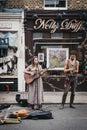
(85, 58)
(3, 52)
(43, 49)
(4, 42)
(46, 35)
(8, 53)
(72, 35)
(55, 4)
(57, 35)
(37, 35)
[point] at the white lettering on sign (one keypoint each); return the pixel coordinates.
(73, 25)
(49, 24)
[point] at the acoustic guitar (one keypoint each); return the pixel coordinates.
(21, 113)
(30, 78)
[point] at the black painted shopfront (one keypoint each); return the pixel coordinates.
(51, 35)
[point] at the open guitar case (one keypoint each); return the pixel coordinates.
(36, 114)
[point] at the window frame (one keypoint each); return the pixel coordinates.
(56, 8)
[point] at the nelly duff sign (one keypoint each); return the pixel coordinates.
(72, 25)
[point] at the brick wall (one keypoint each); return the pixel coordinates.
(14, 4)
(77, 4)
(30, 4)
(33, 4)
(38, 4)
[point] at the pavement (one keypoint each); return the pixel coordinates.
(49, 97)
(65, 119)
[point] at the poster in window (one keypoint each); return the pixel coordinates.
(56, 58)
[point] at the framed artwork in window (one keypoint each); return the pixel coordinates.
(56, 58)
(41, 57)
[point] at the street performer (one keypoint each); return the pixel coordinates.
(71, 69)
(35, 88)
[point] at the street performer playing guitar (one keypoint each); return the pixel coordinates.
(35, 86)
(71, 69)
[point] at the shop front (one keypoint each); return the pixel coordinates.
(11, 50)
(51, 35)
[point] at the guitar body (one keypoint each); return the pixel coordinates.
(29, 78)
(20, 113)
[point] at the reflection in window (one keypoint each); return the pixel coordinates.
(8, 53)
(55, 3)
(37, 35)
(57, 35)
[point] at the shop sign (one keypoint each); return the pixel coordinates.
(72, 25)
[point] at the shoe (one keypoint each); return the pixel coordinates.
(31, 106)
(71, 106)
(40, 106)
(61, 107)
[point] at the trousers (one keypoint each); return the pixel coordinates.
(70, 84)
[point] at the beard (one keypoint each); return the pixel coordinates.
(72, 59)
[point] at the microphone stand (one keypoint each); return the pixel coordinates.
(36, 88)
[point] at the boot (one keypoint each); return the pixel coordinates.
(71, 101)
(40, 106)
(31, 106)
(71, 106)
(63, 101)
